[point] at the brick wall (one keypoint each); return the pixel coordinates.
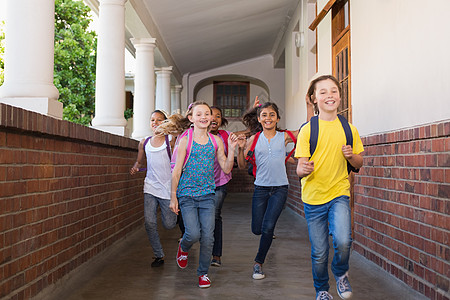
(402, 206)
(241, 181)
(65, 196)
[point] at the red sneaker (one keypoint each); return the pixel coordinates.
(203, 281)
(182, 257)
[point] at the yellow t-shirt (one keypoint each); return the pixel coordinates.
(330, 176)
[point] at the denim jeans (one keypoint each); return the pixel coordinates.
(267, 204)
(221, 193)
(332, 218)
(168, 218)
(198, 218)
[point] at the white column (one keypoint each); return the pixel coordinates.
(163, 88)
(29, 57)
(175, 98)
(144, 86)
(110, 81)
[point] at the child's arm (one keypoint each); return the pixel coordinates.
(242, 143)
(176, 174)
(140, 158)
(242, 163)
(356, 160)
(226, 162)
(304, 167)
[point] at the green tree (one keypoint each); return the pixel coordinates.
(2, 51)
(75, 58)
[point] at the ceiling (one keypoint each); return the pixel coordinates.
(205, 34)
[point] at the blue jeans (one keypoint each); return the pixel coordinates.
(267, 204)
(332, 218)
(168, 218)
(198, 218)
(221, 193)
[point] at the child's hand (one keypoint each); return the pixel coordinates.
(347, 151)
(232, 141)
(134, 170)
(307, 167)
(174, 206)
(242, 140)
(256, 103)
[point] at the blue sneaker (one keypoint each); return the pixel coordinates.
(323, 295)
(257, 272)
(216, 263)
(343, 287)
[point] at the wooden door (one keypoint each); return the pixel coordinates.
(342, 66)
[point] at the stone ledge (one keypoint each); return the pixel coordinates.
(19, 119)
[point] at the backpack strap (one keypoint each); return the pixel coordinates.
(166, 137)
(314, 134)
(213, 140)
(190, 136)
(224, 135)
(349, 139)
(251, 153)
(146, 141)
(291, 135)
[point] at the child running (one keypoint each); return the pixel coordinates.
(271, 183)
(325, 186)
(157, 184)
(221, 181)
(193, 186)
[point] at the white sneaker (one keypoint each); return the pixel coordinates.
(257, 272)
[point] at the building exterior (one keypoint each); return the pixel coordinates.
(391, 57)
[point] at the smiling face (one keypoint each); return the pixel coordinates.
(268, 118)
(326, 96)
(156, 119)
(201, 116)
(216, 120)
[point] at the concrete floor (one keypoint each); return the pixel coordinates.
(125, 273)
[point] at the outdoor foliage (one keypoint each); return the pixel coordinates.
(75, 58)
(2, 51)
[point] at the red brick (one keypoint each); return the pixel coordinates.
(438, 145)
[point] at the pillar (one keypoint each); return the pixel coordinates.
(144, 87)
(110, 74)
(176, 98)
(29, 57)
(163, 89)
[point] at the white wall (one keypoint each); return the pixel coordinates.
(296, 69)
(260, 68)
(206, 94)
(400, 63)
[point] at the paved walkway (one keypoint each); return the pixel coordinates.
(125, 273)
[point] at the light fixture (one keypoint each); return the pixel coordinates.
(299, 39)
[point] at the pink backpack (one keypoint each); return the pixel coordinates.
(190, 136)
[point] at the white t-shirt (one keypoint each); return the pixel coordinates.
(159, 176)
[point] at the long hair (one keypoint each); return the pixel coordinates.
(250, 119)
(176, 123)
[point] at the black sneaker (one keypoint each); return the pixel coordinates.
(158, 262)
(216, 263)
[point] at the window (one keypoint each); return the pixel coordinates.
(232, 98)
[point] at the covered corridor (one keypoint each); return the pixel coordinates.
(124, 272)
